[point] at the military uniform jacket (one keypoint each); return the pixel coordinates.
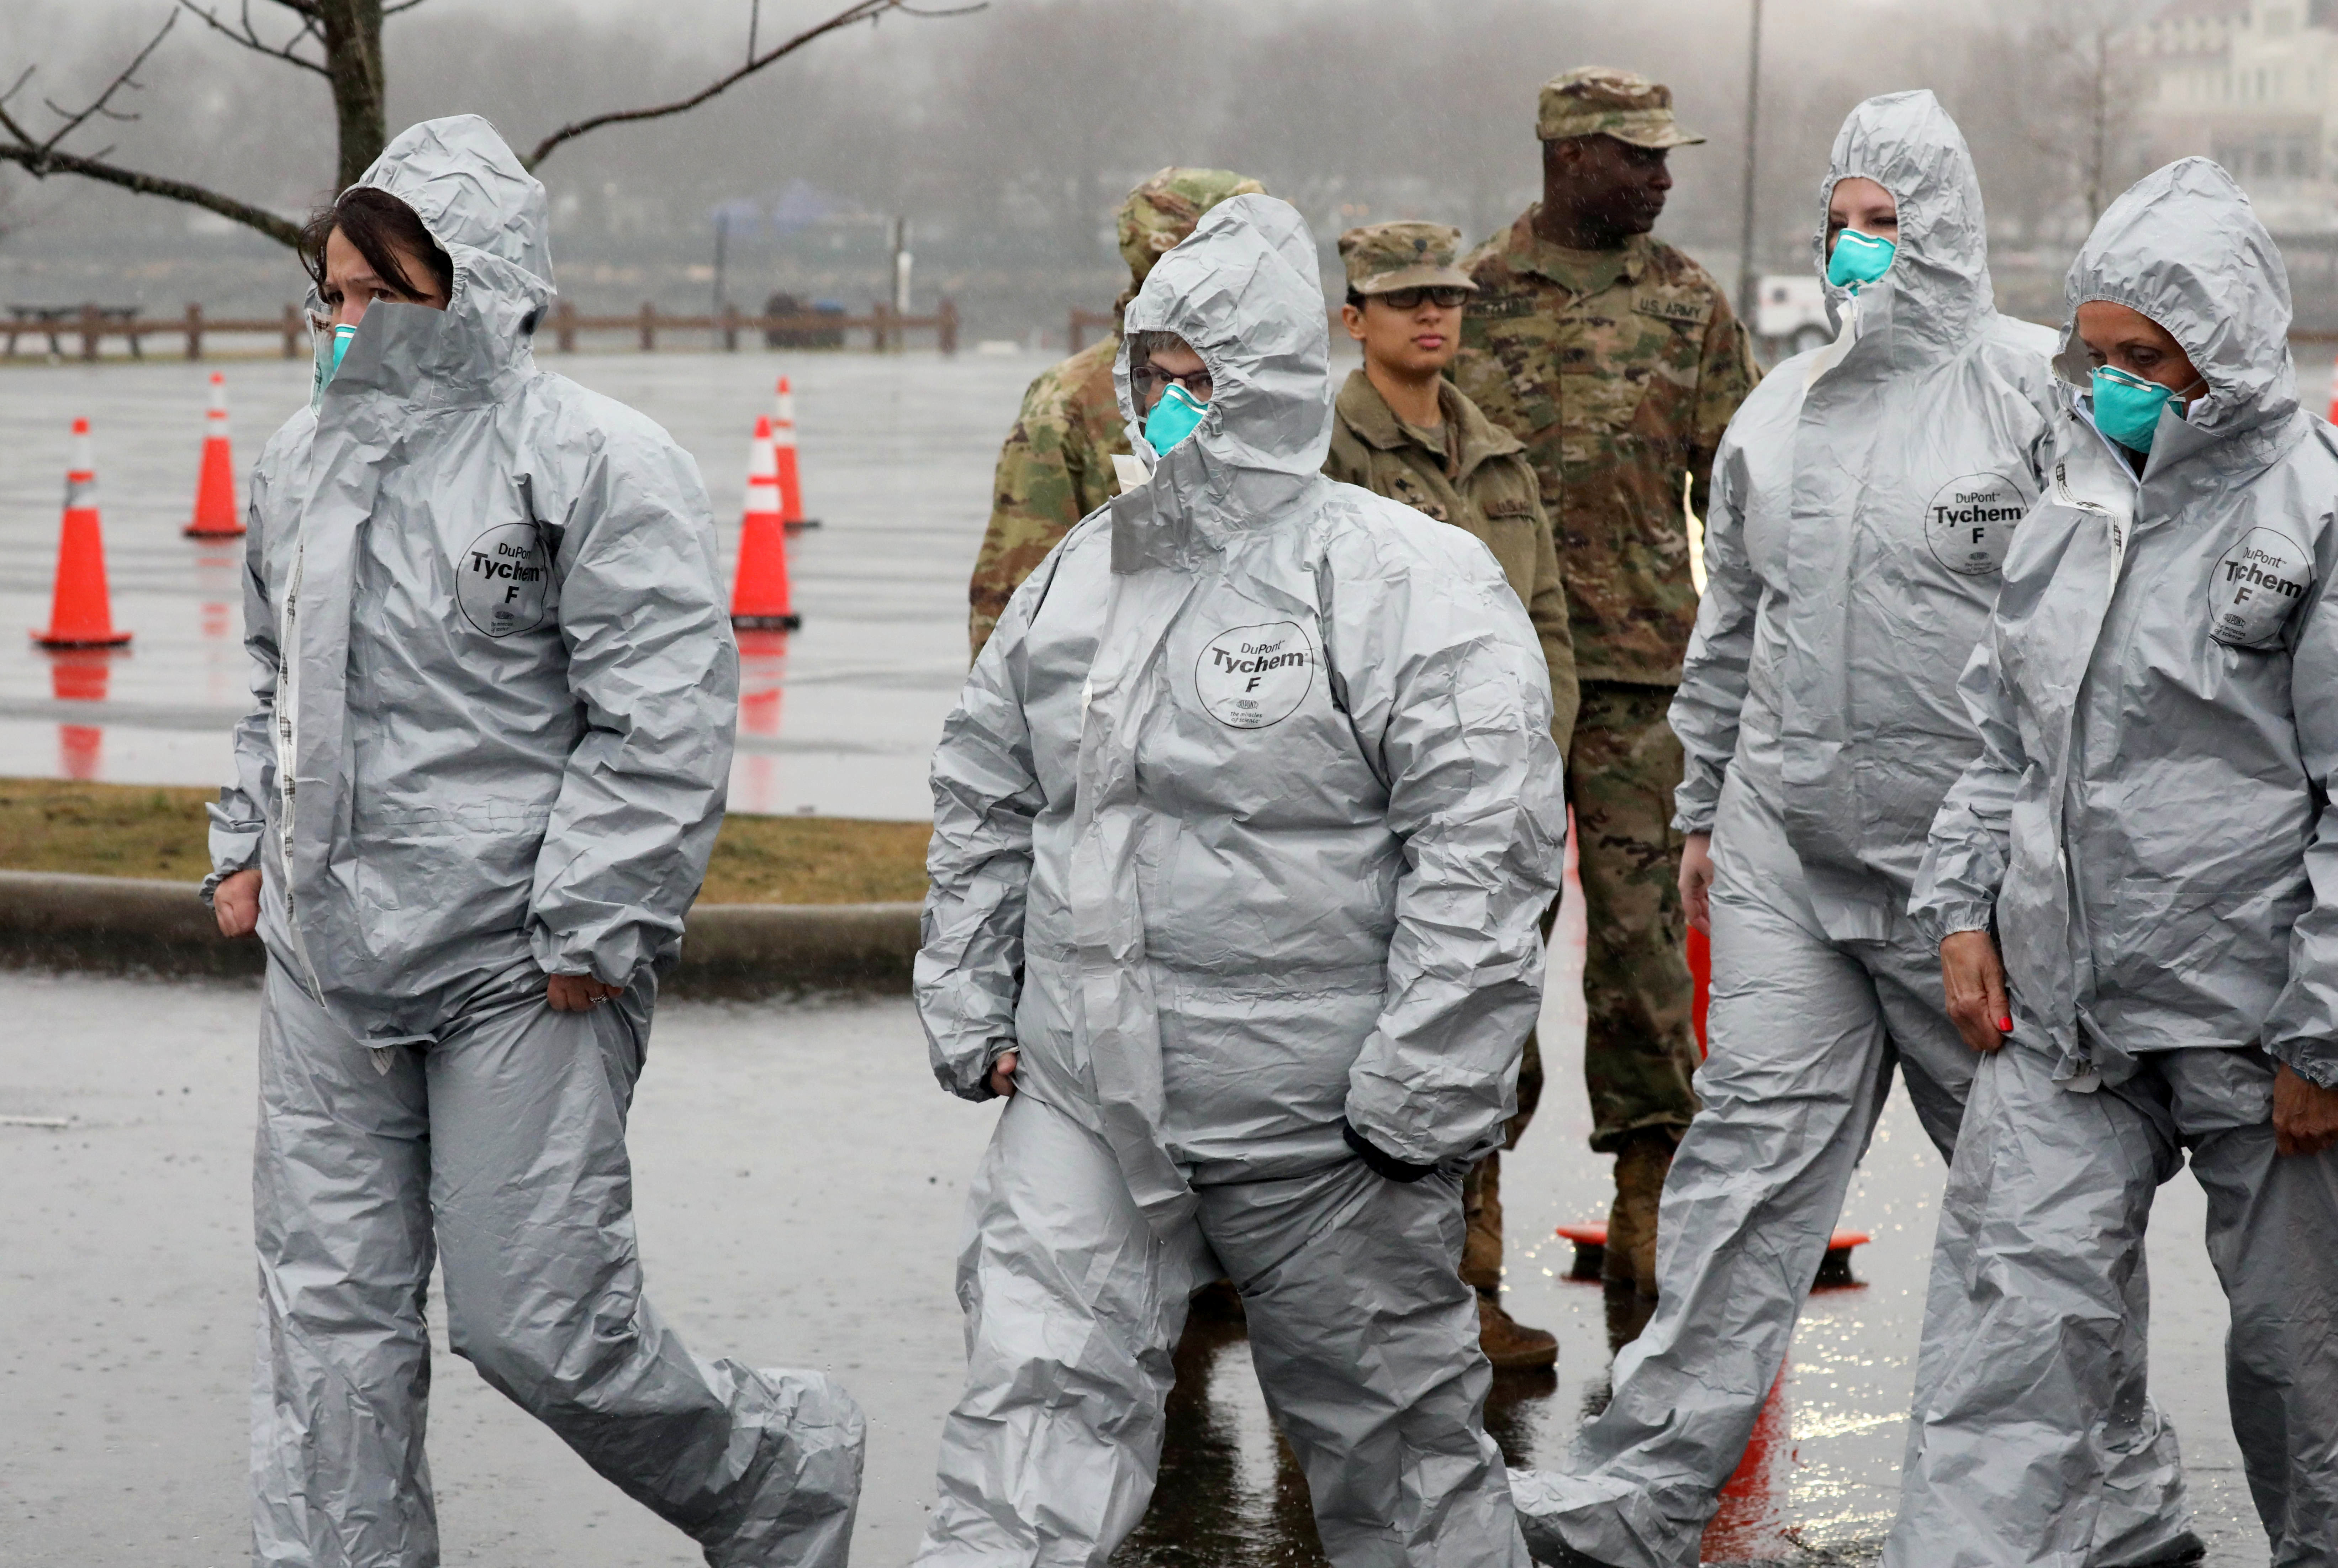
(1482, 485)
(1054, 470)
(1619, 371)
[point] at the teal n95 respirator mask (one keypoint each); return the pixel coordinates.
(331, 349)
(2126, 407)
(1859, 258)
(1178, 415)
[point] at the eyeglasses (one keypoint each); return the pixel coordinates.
(1444, 296)
(1143, 378)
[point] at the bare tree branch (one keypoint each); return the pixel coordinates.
(389, 11)
(42, 164)
(851, 16)
(252, 41)
(39, 157)
(99, 106)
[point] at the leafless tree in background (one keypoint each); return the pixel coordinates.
(2086, 45)
(340, 41)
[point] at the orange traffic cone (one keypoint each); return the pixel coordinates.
(215, 513)
(81, 611)
(783, 437)
(759, 599)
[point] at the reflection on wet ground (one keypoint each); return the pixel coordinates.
(1231, 1495)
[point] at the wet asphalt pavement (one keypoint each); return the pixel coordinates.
(800, 1181)
(896, 454)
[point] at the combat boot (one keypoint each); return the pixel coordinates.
(1510, 1345)
(1640, 1168)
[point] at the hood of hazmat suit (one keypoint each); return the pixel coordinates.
(1247, 814)
(1863, 501)
(2157, 696)
(497, 685)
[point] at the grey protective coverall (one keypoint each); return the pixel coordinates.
(1863, 501)
(2148, 822)
(495, 689)
(1243, 826)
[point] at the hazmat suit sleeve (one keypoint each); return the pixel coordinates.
(1965, 859)
(240, 816)
(656, 674)
(2303, 1027)
(986, 796)
(1476, 792)
(1704, 710)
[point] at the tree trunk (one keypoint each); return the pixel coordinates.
(353, 64)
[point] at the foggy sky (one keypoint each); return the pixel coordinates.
(1008, 136)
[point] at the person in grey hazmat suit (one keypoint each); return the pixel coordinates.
(495, 690)
(2147, 831)
(1863, 499)
(1244, 825)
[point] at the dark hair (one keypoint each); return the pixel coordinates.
(374, 221)
(1144, 346)
(1355, 299)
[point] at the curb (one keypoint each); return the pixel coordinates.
(123, 925)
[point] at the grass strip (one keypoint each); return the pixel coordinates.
(149, 831)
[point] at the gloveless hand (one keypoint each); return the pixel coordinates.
(235, 903)
(1973, 977)
(2305, 1114)
(1696, 880)
(578, 993)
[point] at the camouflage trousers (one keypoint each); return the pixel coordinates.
(1639, 1050)
(1481, 1190)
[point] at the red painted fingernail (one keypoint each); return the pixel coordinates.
(2005, 1026)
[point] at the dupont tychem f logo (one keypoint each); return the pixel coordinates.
(501, 578)
(1255, 676)
(2252, 590)
(1970, 522)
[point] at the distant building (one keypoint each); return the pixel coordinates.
(2253, 84)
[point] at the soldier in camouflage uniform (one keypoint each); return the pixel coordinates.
(1617, 361)
(1056, 464)
(1400, 429)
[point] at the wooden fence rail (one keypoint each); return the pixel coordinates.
(888, 329)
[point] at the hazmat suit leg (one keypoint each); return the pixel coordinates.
(1073, 1307)
(1806, 1033)
(1365, 1338)
(517, 1112)
(2026, 1410)
(1802, 1058)
(2272, 1219)
(341, 1221)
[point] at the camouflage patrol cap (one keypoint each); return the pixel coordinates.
(1598, 101)
(1163, 211)
(1384, 256)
